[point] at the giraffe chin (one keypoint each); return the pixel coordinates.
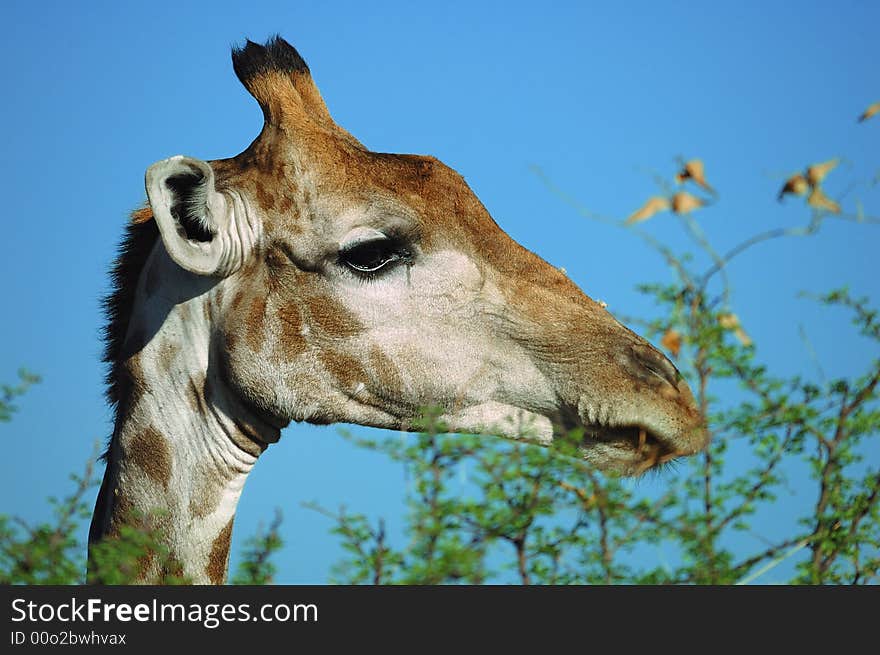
(501, 420)
(626, 450)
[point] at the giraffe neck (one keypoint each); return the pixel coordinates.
(184, 443)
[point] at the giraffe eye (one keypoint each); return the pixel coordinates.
(370, 257)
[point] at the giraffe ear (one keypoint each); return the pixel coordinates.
(196, 222)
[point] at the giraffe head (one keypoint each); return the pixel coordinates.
(359, 287)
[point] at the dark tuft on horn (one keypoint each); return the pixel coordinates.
(279, 79)
(277, 55)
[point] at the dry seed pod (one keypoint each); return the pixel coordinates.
(873, 110)
(744, 338)
(728, 321)
(685, 203)
(817, 172)
(693, 170)
(819, 200)
(671, 340)
(646, 211)
(796, 185)
(731, 322)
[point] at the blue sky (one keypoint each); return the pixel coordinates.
(599, 95)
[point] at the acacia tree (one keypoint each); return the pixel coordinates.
(536, 515)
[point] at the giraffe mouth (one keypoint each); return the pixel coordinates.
(625, 449)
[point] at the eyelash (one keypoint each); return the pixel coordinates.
(391, 252)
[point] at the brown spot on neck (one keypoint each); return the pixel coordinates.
(143, 563)
(218, 560)
(120, 511)
(130, 386)
(148, 450)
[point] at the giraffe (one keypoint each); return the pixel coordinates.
(311, 279)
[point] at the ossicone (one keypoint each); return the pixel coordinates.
(279, 78)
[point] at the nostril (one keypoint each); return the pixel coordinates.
(645, 360)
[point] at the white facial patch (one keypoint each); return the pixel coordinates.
(430, 321)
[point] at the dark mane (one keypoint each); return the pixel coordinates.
(137, 243)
